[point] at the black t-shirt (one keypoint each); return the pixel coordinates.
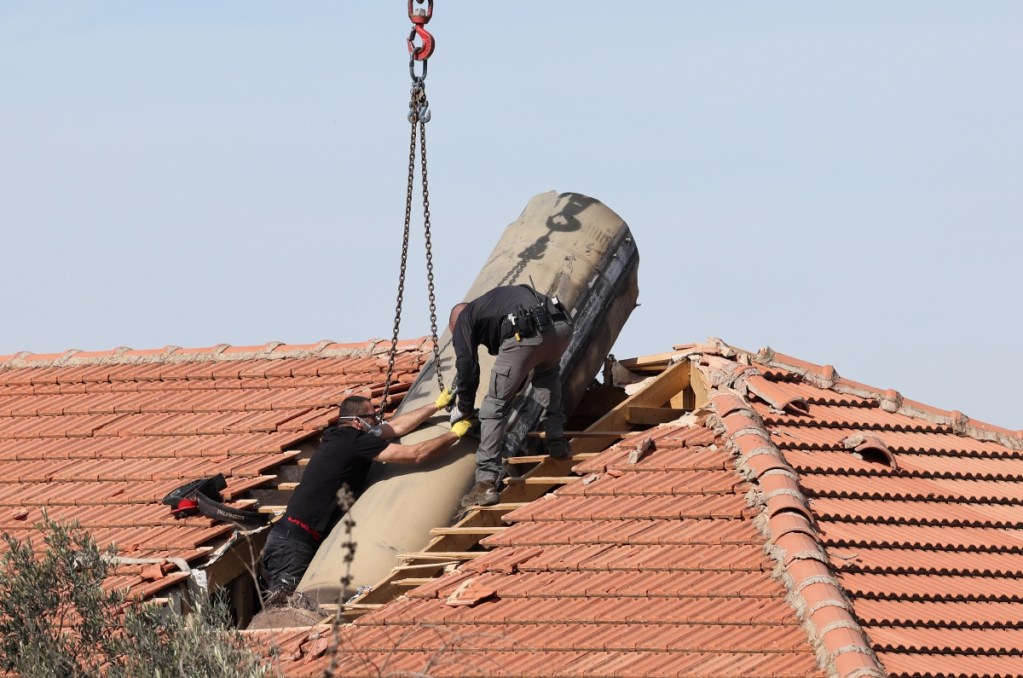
(480, 325)
(344, 457)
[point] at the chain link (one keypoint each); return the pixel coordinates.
(418, 115)
(429, 250)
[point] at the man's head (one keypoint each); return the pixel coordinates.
(357, 412)
(455, 312)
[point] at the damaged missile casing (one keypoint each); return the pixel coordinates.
(570, 246)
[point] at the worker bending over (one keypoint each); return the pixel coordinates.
(527, 331)
(344, 457)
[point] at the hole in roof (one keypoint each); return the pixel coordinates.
(871, 449)
(874, 455)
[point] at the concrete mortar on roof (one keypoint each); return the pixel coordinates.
(219, 353)
(725, 380)
(890, 400)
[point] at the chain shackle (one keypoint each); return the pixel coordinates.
(427, 43)
(420, 16)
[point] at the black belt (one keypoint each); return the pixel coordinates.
(520, 329)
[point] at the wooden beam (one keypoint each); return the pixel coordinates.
(646, 362)
(239, 560)
(584, 434)
(413, 581)
(651, 416)
(698, 382)
(442, 555)
(527, 459)
(502, 508)
(477, 531)
(656, 393)
(418, 567)
(550, 481)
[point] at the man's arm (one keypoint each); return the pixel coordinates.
(467, 366)
(407, 422)
(397, 453)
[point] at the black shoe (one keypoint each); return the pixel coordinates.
(558, 447)
(483, 494)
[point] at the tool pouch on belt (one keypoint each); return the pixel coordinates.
(540, 317)
(203, 496)
(560, 313)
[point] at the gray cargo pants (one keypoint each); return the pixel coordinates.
(540, 354)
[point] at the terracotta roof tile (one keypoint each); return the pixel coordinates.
(101, 437)
(654, 569)
(908, 546)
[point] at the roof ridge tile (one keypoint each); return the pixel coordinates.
(274, 350)
(777, 491)
(890, 400)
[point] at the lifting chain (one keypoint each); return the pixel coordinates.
(418, 116)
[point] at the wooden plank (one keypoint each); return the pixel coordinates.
(537, 459)
(237, 561)
(413, 581)
(640, 415)
(417, 567)
(655, 394)
(503, 507)
(442, 555)
(550, 481)
(528, 459)
(584, 434)
(698, 383)
(455, 542)
(648, 361)
(479, 531)
(280, 508)
(287, 486)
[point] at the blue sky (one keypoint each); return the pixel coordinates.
(840, 181)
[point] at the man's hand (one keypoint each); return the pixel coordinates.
(444, 399)
(460, 428)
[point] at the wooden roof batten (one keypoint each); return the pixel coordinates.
(669, 392)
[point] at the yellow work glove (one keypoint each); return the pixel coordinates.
(444, 399)
(460, 428)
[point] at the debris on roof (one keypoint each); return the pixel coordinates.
(790, 522)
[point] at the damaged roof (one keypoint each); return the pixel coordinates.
(797, 523)
(102, 437)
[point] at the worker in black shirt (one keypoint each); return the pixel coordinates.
(527, 331)
(344, 457)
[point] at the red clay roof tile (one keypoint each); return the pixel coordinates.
(101, 436)
(661, 566)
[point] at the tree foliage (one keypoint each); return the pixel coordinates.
(57, 620)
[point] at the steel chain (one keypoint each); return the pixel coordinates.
(429, 247)
(419, 115)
